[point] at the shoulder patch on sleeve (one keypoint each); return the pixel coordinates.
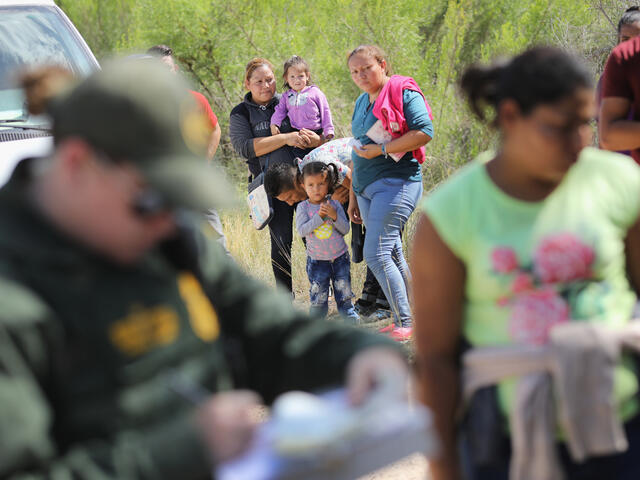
(20, 305)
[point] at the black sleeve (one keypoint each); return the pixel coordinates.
(241, 133)
(171, 448)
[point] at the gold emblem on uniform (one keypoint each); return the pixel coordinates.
(144, 329)
(202, 317)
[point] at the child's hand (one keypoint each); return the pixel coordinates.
(275, 130)
(327, 210)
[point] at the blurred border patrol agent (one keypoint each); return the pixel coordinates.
(113, 308)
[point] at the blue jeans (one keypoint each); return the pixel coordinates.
(338, 271)
(385, 206)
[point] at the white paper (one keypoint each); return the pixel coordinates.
(354, 142)
(380, 432)
(379, 135)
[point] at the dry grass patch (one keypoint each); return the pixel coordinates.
(251, 248)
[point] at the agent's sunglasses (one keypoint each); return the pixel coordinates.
(148, 202)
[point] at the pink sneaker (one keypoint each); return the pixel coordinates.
(389, 328)
(402, 334)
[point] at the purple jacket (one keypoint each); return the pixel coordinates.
(307, 109)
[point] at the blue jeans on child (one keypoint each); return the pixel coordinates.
(385, 206)
(338, 271)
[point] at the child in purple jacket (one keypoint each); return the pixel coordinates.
(304, 104)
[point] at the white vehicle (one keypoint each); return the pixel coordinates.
(32, 33)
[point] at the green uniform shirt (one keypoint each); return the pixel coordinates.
(89, 351)
(530, 265)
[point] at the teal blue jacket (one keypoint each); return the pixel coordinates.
(367, 171)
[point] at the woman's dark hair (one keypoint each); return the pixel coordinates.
(280, 177)
(630, 16)
(295, 61)
(541, 75)
(315, 168)
(160, 51)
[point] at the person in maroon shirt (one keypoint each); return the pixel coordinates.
(619, 119)
(628, 27)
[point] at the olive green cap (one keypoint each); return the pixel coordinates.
(136, 110)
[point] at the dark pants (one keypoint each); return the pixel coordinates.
(281, 230)
(371, 291)
(623, 466)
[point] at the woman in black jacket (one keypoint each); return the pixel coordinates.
(249, 129)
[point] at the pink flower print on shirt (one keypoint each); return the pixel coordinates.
(504, 259)
(562, 258)
(503, 301)
(533, 315)
(522, 283)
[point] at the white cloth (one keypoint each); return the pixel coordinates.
(576, 370)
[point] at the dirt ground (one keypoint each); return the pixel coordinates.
(414, 467)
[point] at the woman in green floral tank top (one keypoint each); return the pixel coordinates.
(541, 232)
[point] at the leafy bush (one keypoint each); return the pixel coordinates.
(431, 41)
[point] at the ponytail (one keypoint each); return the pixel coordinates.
(481, 85)
(332, 176)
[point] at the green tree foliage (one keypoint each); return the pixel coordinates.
(103, 24)
(431, 40)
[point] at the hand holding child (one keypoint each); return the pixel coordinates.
(340, 194)
(310, 139)
(275, 130)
